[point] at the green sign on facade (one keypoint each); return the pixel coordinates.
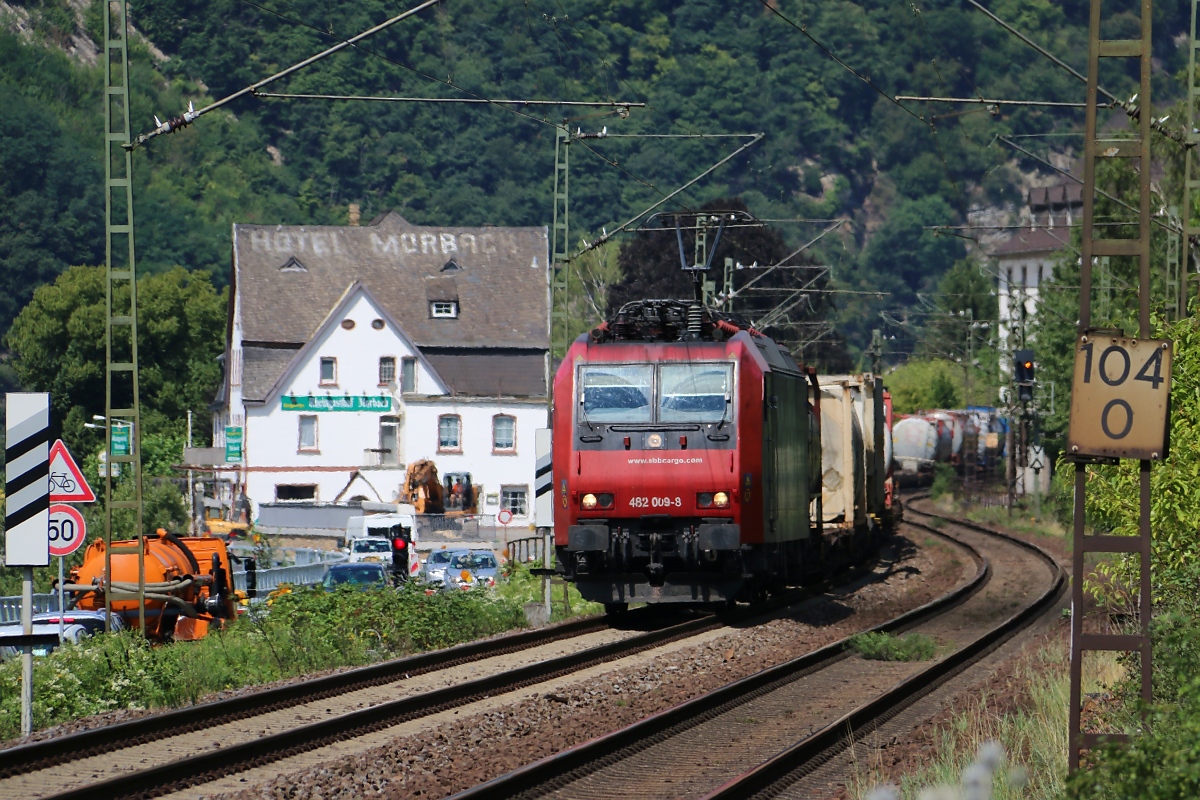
(344, 402)
(120, 440)
(233, 444)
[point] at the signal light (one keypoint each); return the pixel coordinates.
(590, 501)
(399, 543)
(1023, 374)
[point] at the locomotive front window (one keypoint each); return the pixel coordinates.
(694, 392)
(616, 393)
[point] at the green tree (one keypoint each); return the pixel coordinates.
(925, 384)
(57, 344)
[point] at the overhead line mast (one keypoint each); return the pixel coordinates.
(121, 405)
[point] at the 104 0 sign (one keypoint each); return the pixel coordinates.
(1119, 397)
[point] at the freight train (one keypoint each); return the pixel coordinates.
(695, 461)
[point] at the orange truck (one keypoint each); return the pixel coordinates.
(189, 584)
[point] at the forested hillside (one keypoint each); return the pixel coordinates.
(835, 144)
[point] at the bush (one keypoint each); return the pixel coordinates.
(304, 631)
(943, 480)
(879, 646)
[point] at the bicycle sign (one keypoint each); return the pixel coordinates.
(67, 484)
(1119, 397)
(67, 529)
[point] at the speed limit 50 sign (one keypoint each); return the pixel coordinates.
(67, 529)
(1119, 397)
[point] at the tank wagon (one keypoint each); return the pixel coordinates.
(687, 461)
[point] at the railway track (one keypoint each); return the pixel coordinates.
(701, 748)
(37, 769)
(188, 747)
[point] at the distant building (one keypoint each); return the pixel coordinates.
(1027, 258)
(353, 351)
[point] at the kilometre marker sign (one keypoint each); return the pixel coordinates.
(1119, 397)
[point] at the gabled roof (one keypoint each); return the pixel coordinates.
(287, 276)
(1037, 240)
(279, 365)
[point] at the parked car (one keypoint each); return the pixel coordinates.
(363, 575)
(434, 569)
(371, 548)
(471, 569)
(77, 625)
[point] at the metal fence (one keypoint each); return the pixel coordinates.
(448, 527)
(270, 579)
(526, 549)
(10, 607)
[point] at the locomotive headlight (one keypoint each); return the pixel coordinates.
(605, 500)
(704, 499)
(721, 500)
(589, 501)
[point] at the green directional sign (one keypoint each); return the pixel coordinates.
(344, 402)
(120, 440)
(234, 437)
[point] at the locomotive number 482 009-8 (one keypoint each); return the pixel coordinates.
(655, 502)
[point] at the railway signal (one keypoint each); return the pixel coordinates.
(1023, 364)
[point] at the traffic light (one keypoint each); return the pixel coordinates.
(1023, 374)
(401, 545)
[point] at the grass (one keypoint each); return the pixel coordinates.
(304, 631)
(1034, 735)
(879, 646)
(522, 587)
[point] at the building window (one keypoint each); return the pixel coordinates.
(514, 499)
(1039, 283)
(387, 370)
(286, 491)
(389, 441)
(308, 432)
(504, 432)
(450, 433)
(328, 371)
(443, 308)
(408, 375)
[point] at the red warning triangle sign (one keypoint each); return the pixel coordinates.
(67, 484)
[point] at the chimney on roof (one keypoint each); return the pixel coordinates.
(355, 214)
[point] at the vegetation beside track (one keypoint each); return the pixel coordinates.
(303, 632)
(883, 646)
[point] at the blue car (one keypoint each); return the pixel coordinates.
(363, 575)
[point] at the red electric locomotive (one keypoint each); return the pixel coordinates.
(687, 460)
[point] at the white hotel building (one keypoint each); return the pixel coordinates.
(353, 351)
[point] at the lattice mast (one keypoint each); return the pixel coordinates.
(1092, 247)
(1191, 169)
(121, 408)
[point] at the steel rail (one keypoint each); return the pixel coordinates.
(556, 771)
(72, 747)
(789, 765)
(217, 763)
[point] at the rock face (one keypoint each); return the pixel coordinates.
(536, 615)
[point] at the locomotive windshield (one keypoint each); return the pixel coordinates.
(694, 392)
(626, 393)
(616, 393)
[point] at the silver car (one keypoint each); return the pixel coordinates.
(472, 568)
(435, 566)
(77, 625)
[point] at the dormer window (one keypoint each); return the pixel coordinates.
(443, 308)
(451, 266)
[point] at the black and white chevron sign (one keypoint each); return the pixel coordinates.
(27, 479)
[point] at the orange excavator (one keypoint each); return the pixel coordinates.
(454, 496)
(188, 584)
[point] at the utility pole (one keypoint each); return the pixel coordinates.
(875, 351)
(121, 346)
